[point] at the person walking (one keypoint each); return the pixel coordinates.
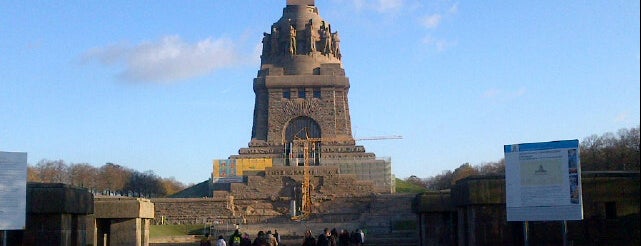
(221, 241)
(277, 236)
(246, 241)
(355, 238)
(333, 237)
(309, 239)
(271, 240)
(343, 238)
(323, 238)
(235, 238)
(205, 241)
(261, 239)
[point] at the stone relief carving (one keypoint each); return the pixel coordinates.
(300, 107)
(301, 42)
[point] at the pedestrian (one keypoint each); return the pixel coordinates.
(221, 241)
(333, 237)
(246, 241)
(323, 238)
(260, 239)
(235, 238)
(309, 239)
(343, 238)
(355, 238)
(277, 236)
(205, 241)
(271, 240)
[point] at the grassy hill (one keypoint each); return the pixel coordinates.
(403, 186)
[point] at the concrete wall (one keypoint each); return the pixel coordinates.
(123, 221)
(57, 214)
(477, 205)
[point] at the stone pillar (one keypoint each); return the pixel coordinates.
(57, 214)
(123, 221)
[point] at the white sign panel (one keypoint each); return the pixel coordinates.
(13, 190)
(543, 181)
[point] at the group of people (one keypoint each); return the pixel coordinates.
(237, 239)
(327, 238)
(333, 238)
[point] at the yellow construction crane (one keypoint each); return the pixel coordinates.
(309, 146)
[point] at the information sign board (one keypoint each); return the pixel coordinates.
(13, 190)
(543, 181)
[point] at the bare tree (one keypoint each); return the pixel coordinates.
(33, 175)
(463, 171)
(52, 171)
(172, 186)
(114, 178)
(441, 181)
(492, 168)
(610, 151)
(83, 175)
(145, 184)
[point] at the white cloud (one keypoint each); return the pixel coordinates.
(491, 93)
(494, 93)
(431, 21)
(359, 4)
(622, 117)
(381, 6)
(453, 9)
(168, 59)
(439, 14)
(438, 43)
(388, 5)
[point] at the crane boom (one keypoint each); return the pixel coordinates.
(379, 138)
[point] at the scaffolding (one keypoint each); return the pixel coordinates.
(309, 148)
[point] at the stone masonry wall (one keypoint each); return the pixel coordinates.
(191, 210)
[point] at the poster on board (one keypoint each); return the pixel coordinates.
(13, 190)
(543, 181)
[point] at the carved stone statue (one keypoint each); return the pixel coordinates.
(326, 41)
(274, 40)
(311, 38)
(292, 40)
(336, 40)
(266, 44)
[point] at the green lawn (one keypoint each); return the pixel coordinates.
(404, 187)
(175, 230)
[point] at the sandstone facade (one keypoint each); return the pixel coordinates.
(302, 92)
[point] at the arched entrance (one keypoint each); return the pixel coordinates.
(301, 128)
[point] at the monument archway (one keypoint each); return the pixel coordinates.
(301, 128)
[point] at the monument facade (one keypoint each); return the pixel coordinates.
(301, 93)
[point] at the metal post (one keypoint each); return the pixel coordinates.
(564, 228)
(525, 232)
(4, 238)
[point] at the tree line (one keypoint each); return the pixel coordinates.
(109, 179)
(608, 152)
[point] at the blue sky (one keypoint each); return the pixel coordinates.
(167, 85)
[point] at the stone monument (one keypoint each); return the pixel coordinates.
(302, 93)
